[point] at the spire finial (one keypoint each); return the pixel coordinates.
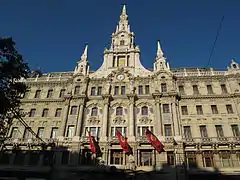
(159, 50)
(84, 55)
(124, 11)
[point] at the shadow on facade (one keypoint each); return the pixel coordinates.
(60, 164)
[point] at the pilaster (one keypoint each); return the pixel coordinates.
(106, 100)
(158, 128)
(65, 116)
(80, 117)
(132, 98)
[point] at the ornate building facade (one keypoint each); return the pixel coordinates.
(195, 112)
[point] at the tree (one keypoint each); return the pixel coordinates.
(12, 69)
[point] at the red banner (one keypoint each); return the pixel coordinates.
(92, 143)
(123, 142)
(154, 141)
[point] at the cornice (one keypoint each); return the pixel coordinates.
(190, 78)
(41, 100)
(207, 96)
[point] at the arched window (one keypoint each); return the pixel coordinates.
(119, 111)
(94, 111)
(144, 110)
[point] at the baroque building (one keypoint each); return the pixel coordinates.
(194, 112)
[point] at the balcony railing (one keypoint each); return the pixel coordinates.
(211, 139)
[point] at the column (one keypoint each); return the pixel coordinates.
(131, 115)
(175, 119)
(80, 118)
(105, 116)
(64, 118)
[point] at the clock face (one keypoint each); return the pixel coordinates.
(120, 77)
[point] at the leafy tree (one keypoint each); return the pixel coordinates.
(12, 69)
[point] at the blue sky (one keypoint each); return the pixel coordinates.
(51, 34)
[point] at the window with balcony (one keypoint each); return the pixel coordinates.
(209, 89)
(14, 132)
(166, 108)
(99, 91)
(116, 90)
(224, 88)
(141, 130)
(123, 90)
(229, 109)
(37, 94)
(70, 131)
(144, 110)
(146, 157)
(93, 91)
(140, 90)
(119, 111)
(203, 131)
(235, 130)
(164, 87)
(94, 111)
(147, 90)
(187, 132)
(45, 112)
(116, 157)
(50, 93)
(219, 130)
(207, 158)
(184, 110)
(32, 112)
(77, 90)
(40, 132)
(195, 90)
(170, 158)
(167, 130)
(214, 109)
(73, 110)
(58, 112)
(181, 89)
(62, 93)
(54, 132)
(199, 109)
(122, 130)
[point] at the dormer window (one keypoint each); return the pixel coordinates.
(122, 42)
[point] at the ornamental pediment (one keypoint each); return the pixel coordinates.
(119, 121)
(145, 120)
(93, 120)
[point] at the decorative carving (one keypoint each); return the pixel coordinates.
(145, 120)
(119, 120)
(93, 120)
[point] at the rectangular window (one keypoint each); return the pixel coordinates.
(14, 132)
(146, 158)
(62, 93)
(93, 131)
(224, 88)
(45, 112)
(203, 131)
(207, 159)
(116, 90)
(26, 94)
(26, 134)
(116, 157)
(166, 108)
(123, 130)
(170, 158)
(226, 159)
(164, 87)
(141, 130)
(187, 131)
(219, 130)
(123, 90)
(38, 94)
(99, 91)
(50, 93)
(214, 109)
(93, 91)
(181, 89)
(235, 130)
(184, 110)
(32, 113)
(58, 112)
(40, 132)
(147, 90)
(229, 109)
(70, 131)
(140, 90)
(191, 159)
(195, 89)
(77, 90)
(209, 89)
(73, 110)
(168, 130)
(54, 132)
(199, 109)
